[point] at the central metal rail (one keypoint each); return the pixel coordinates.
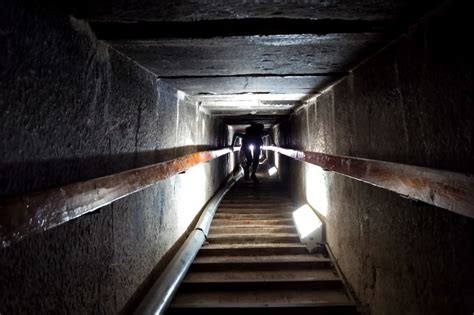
(160, 295)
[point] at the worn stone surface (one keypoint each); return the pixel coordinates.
(247, 55)
(251, 84)
(74, 109)
(147, 10)
(262, 95)
(206, 38)
(254, 67)
(410, 104)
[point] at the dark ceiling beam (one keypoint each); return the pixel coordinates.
(144, 30)
(247, 119)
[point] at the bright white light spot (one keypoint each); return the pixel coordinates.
(191, 185)
(251, 147)
(272, 171)
(181, 95)
(306, 221)
(316, 189)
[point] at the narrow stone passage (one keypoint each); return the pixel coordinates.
(253, 261)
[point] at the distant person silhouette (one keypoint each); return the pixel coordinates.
(252, 142)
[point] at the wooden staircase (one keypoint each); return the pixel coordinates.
(253, 262)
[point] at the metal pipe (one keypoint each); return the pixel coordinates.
(160, 295)
(448, 190)
(39, 211)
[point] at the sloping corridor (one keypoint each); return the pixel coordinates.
(125, 126)
(253, 261)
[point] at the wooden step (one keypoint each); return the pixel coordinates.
(246, 216)
(262, 275)
(270, 201)
(261, 259)
(253, 249)
(252, 229)
(258, 285)
(264, 262)
(253, 238)
(257, 206)
(278, 296)
(282, 309)
(219, 222)
(255, 210)
(257, 196)
(253, 262)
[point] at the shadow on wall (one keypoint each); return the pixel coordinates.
(23, 177)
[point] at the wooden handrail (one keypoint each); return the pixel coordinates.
(40, 211)
(448, 190)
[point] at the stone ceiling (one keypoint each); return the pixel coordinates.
(250, 60)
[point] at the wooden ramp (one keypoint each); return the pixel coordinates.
(253, 262)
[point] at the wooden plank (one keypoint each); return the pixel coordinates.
(274, 309)
(247, 216)
(262, 259)
(252, 221)
(247, 249)
(252, 229)
(261, 275)
(255, 210)
(256, 238)
(237, 286)
(266, 298)
(279, 206)
(257, 203)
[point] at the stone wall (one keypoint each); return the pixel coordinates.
(73, 109)
(412, 104)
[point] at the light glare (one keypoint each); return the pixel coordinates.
(306, 221)
(181, 95)
(187, 185)
(272, 171)
(316, 189)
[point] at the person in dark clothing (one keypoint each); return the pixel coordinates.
(252, 142)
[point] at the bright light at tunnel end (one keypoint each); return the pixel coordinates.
(306, 221)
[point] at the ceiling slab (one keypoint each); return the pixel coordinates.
(254, 96)
(390, 11)
(276, 54)
(245, 120)
(253, 84)
(250, 107)
(250, 60)
(235, 27)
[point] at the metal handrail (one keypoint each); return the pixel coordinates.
(160, 295)
(39, 211)
(448, 190)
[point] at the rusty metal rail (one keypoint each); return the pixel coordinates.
(444, 189)
(40, 211)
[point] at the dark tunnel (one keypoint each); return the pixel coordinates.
(116, 125)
